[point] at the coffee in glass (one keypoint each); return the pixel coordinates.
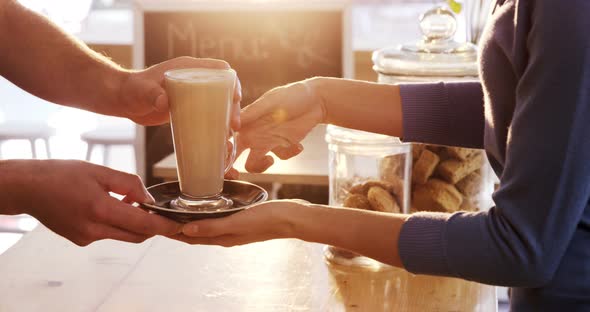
(200, 102)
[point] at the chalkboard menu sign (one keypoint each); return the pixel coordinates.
(269, 43)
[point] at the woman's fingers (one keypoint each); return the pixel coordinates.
(289, 151)
(223, 240)
(210, 227)
(259, 108)
(258, 223)
(258, 161)
(232, 174)
(134, 219)
(110, 232)
(235, 111)
(203, 240)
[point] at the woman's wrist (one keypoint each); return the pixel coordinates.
(314, 87)
(292, 219)
(353, 103)
(308, 222)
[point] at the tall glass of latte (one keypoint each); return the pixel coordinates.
(200, 101)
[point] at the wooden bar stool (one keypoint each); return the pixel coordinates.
(27, 130)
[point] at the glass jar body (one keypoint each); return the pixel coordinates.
(367, 171)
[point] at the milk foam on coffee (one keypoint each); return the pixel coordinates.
(200, 102)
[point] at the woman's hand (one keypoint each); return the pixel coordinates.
(265, 221)
(370, 233)
(143, 97)
(277, 122)
(72, 199)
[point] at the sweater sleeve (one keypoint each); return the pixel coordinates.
(443, 113)
(545, 185)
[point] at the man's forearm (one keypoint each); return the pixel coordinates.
(360, 105)
(369, 233)
(40, 58)
(15, 180)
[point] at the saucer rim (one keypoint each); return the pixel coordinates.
(188, 212)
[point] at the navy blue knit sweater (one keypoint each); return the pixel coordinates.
(531, 113)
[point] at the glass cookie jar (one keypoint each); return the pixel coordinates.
(367, 171)
(444, 178)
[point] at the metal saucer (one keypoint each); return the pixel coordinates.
(243, 194)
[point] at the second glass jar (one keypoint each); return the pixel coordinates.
(444, 178)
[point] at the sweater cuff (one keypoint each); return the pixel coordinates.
(422, 244)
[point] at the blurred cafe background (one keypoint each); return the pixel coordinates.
(269, 42)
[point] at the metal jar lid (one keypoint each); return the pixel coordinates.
(437, 54)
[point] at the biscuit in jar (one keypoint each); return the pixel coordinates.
(357, 201)
(470, 185)
(436, 195)
(460, 152)
(454, 170)
(382, 200)
(424, 167)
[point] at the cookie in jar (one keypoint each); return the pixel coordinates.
(449, 179)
